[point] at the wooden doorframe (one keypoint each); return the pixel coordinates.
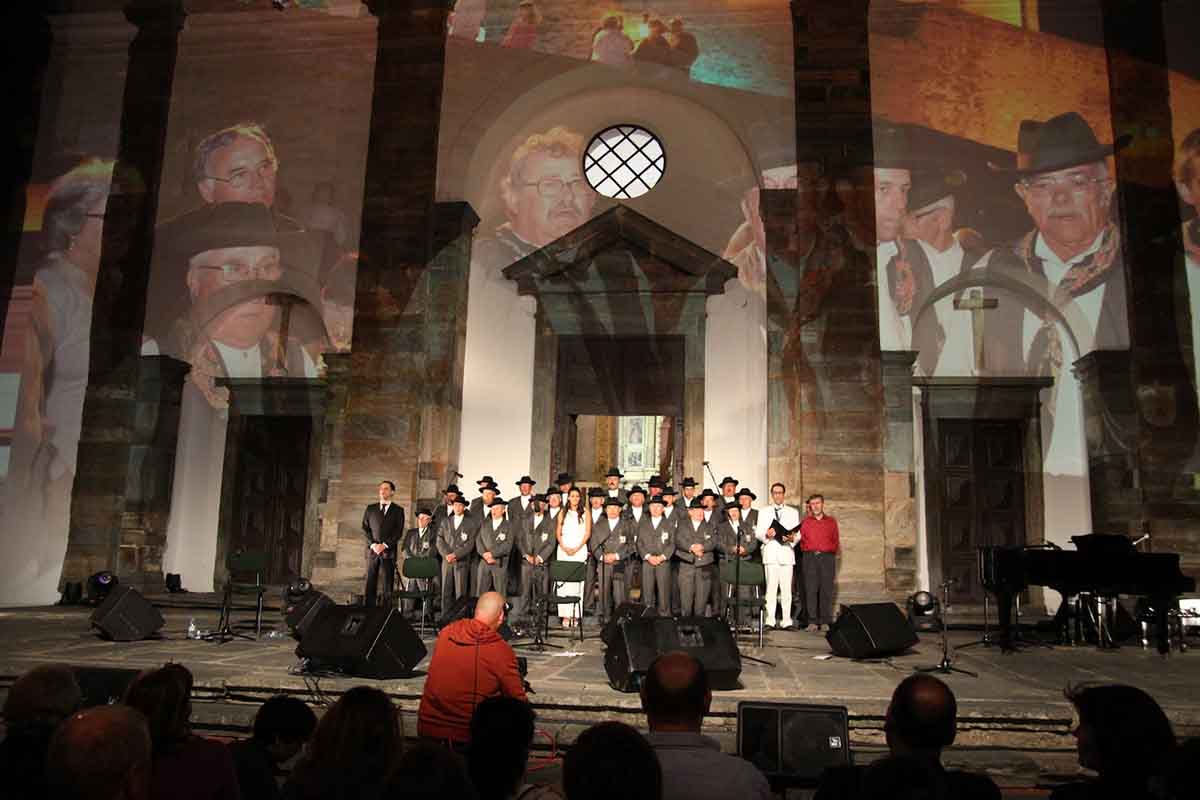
(1017, 399)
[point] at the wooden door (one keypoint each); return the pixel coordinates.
(982, 483)
(271, 491)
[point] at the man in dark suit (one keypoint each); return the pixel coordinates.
(655, 547)
(493, 544)
(419, 543)
(383, 525)
(446, 507)
(455, 543)
(612, 484)
(536, 545)
(695, 543)
(613, 542)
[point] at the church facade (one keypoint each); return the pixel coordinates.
(935, 261)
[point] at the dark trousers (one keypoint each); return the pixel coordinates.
(613, 589)
(418, 585)
(676, 602)
(656, 587)
(716, 596)
(819, 570)
(492, 577)
(694, 588)
(455, 583)
(380, 570)
(535, 582)
(589, 587)
(802, 613)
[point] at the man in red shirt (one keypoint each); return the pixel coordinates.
(819, 542)
(470, 662)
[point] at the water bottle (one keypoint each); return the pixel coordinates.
(193, 632)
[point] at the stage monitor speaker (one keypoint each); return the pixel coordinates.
(791, 743)
(870, 630)
(126, 616)
(639, 641)
(624, 613)
(365, 642)
(103, 686)
(301, 613)
(464, 608)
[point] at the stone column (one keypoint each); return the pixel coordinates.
(110, 411)
(405, 378)
(899, 480)
(837, 396)
(1151, 394)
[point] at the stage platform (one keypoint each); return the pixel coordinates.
(1014, 721)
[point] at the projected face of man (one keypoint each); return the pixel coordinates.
(243, 324)
(548, 197)
(1068, 206)
(934, 226)
(1189, 190)
(241, 171)
(891, 202)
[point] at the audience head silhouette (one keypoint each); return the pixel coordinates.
(922, 717)
(501, 734)
(489, 609)
(101, 753)
(611, 760)
(163, 695)
(675, 693)
(1121, 732)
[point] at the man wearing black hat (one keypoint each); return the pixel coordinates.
(596, 508)
(672, 515)
(455, 544)
(736, 540)
(695, 543)
(635, 512)
(728, 487)
(493, 544)
(1073, 256)
(536, 545)
(518, 507)
(232, 255)
(745, 499)
(445, 508)
(564, 481)
(480, 505)
(612, 484)
(419, 542)
(613, 542)
(383, 527)
(655, 548)
(655, 485)
(684, 501)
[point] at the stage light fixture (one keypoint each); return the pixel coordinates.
(924, 611)
(99, 585)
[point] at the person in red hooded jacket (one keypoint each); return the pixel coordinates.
(470, 662)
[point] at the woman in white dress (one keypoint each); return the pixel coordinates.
(574, 530)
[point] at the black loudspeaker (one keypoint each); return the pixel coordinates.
(72, 593)
(365, 642)
(639, 641)
(624, 613)
(303, 610)
(126, 616)
(103, 686)
(870, 630)
(464, 608)
(791, 743)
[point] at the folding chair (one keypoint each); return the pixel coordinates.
(243, 563)
(421, 568)
(748, 573)
(563, 572)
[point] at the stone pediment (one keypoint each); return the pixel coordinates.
(621, 251)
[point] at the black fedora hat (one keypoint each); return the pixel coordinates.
(613, 501)
(613, 472)
(485, 479)
(688, 483)
(636, 490)
(727, 479)
(451, 489)
(1058, 143)
(563, 477)
(745, 492)
(933, 185)
(595, 491)
(527, 479)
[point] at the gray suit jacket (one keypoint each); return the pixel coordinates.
(621, 540)
(461, 542)
(420, 546)
(538, 540)
(651, 542)
(687, 535)
(497, 541)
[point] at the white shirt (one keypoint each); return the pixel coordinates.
(384, 507)
(1055, 269)
(496, 523)
(895, 331)
(596, 513)
(613, 492)
(524, 502)
(537, 519)
(655, 522)
(708, 514)
(637, 513)
(457, 520)
(668, 509)
(613, 523)
(774, 551)
(958, 351)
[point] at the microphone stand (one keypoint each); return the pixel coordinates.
(538, 603)
(737, 601)
(946, 665)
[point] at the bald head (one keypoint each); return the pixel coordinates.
(489, 609)
(102, 753)
(675, 693)
(921, 717)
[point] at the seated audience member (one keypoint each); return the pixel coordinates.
(37, 702)
(353, 751)
(1122, 734)
(184, 766)
(102, 753)
(501, 735)
(611, 760)
(281, 727)
(470, 662)
(430, 771)
(921, 721)
(1177, 778)
(675, 697)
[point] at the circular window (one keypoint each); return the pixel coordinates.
(624, 161)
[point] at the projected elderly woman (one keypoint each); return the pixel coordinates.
(53, 379)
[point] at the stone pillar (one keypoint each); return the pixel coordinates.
(1151, 393)
(405, 375)
(899, 480)
(110, 412)
(149, 479)
(836, 392)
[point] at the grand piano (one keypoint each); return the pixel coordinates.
(1102, 565)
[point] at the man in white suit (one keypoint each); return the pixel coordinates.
(778, 553)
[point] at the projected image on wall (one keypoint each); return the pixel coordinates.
(739, 45)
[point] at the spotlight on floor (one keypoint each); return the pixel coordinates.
(924, 612)
(99, 585)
